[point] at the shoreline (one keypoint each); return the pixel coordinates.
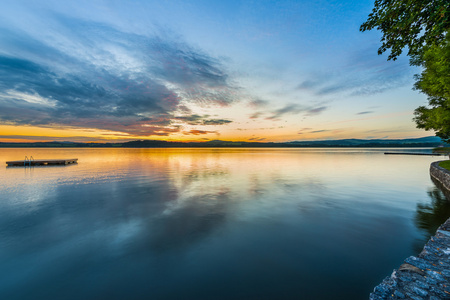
(426, 276)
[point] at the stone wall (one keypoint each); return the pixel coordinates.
(440, 174)
(426, 276)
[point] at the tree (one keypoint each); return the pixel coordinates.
(422, 27)
(434, 81)
(409, 23)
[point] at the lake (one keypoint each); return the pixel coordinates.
(211, 223)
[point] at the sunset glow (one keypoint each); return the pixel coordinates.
(92, 71)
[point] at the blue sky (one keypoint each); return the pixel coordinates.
(199, 70)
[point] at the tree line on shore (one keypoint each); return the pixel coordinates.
(418, 142)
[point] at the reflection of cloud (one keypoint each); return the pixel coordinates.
(113, 80)
(198, 210)
(126, 215)
(190, 222)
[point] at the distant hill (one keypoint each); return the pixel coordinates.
(430, 141)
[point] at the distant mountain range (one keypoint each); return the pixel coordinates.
(430, 141)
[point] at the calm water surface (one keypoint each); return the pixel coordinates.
(211, 223)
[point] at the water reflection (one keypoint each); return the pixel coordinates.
(208, 224)
(429, 216)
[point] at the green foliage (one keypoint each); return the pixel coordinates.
(434, 81)
(409, 23)
(444, 150)
(422, 26)
(445, 164)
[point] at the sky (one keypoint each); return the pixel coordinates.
(269, 71)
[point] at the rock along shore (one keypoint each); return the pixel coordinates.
(426, 276)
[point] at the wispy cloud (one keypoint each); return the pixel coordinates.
(256, 115)
(257, 139)
(292, 109)
(376, 117)
(315, 111)
(363, 74)
(258, 103)
(311, 131)
(288, 109)
(365, 112)
(318, 131)
(201, 120)
(304, 130)
(198, 132)
(216, 122)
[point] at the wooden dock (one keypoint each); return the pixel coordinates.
(41, 162)
(414, 153)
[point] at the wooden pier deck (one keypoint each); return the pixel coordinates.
(42, 162)
(414, 153)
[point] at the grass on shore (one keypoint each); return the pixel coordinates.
(441, 150)
(445, 164)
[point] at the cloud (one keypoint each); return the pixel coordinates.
(309, 130)
(198, 132)
(258, 103)
(303, 130)
(295, 109)
(365, 112)
(63, 139)
(88, 75)
(257, 139)
(363, 74)
(315, 111)
(201, 120)
(191, 119)
(256, 115)
(317, 131)
(288, 109)
(308, 84)
(216, 122)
